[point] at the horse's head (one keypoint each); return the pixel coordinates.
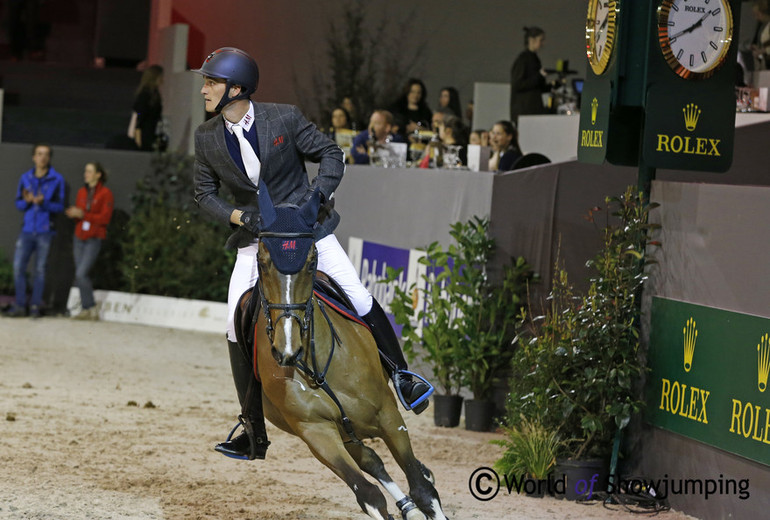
(287, 260)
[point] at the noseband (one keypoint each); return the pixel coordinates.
(287, 309)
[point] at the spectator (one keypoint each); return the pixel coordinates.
(93, 211)
(505, 146)
(450, 98)
(380, 132)
(350, 106)
(452, 131)
(760, 44)
(413, 107)
(439, 116)
(148, 109)
(480, 137)
(528, 77)
(340, 120)
(40, 195)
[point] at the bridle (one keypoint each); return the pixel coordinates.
(287, 309)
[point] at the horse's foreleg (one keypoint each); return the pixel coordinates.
(371, 463)
(325, 442)
(421, 490)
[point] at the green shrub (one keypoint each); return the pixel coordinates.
(6, 275)
(167, 247)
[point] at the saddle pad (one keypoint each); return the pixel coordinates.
(332, 294)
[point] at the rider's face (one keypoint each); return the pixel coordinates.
(213, 89)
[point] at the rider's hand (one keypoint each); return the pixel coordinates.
(251, 221)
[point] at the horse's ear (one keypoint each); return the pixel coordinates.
(309, 210)
(266, 207)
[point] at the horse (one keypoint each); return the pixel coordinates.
(321, 375)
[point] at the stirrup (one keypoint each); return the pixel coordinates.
(230, 437)
(253, 442)
(422, 399)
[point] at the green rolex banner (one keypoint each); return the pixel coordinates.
(709, 374)
(594, 121)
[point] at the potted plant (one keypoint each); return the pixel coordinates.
(430, 331)
(465, 327)
(529, 457)
(488, 315)
(579, 370)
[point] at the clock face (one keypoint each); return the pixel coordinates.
(600, 33)
(695, 35)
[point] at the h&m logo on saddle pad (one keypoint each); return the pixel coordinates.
(289, 245)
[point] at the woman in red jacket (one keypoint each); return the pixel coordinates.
(93, 211)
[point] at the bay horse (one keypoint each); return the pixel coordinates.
(321, 375)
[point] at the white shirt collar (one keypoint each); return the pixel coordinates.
(245, 122)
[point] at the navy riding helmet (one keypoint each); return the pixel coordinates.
(235, 66)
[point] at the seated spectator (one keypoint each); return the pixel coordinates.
(413, 107)
(350, 106)
(480, 137)
(379, 132)
(452, 131)
(439, 116)
(450, 98)
(505, 146)
(341, 132)
(340, 120)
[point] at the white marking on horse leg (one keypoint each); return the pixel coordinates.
(393, 489)
(287, 322)
(373, 512)
(437, 509)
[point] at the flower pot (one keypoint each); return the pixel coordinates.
(479, 414)
(447, 410)
(582, 478)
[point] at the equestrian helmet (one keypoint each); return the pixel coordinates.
(236, 67)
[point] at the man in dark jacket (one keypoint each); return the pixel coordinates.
(40, 195)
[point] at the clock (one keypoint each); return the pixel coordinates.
(601, 27)
(695, 35)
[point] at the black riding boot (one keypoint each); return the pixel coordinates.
(252, 443)
(393, 359)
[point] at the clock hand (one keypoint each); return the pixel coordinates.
(692, 27)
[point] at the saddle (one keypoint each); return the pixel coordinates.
(249, 304)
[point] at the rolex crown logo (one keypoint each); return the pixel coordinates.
(691, 115)
(763, 362)
(594, 109)
(690, 337)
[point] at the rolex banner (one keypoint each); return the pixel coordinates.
(708, 380)
(689, 131)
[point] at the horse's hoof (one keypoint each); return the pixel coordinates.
(415, 514)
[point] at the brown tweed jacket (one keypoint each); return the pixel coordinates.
(286, 140)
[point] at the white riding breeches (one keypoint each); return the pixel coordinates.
(332, 260)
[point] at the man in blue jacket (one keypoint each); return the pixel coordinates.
(40, 195)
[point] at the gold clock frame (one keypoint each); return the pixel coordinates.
(665, 45)
(599, 64)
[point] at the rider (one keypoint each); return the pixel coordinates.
(278, 142)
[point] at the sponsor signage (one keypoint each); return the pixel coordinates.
(709, 374)
(371, 261)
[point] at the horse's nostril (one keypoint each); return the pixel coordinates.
(277, 355)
